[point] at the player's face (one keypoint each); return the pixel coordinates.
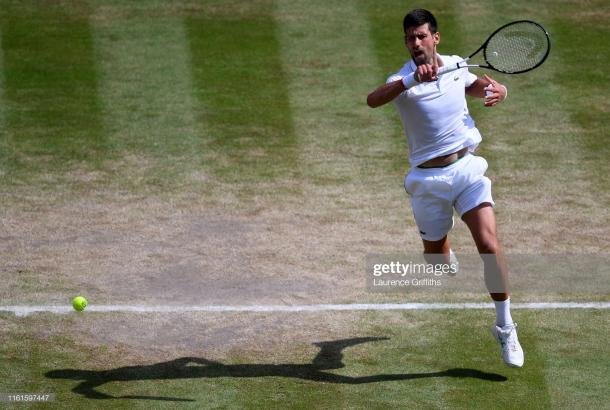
(421, 43)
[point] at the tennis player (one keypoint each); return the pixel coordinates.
(445, 173)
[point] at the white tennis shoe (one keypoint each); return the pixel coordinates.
(511, 350)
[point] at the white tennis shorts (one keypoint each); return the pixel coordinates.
(435, 192)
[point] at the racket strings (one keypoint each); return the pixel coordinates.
(518, 47)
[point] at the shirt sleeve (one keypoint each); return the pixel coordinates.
(393, 77)
(470, 78)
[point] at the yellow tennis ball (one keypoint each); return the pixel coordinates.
(79, 303)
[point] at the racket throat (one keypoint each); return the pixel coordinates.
(463, 63)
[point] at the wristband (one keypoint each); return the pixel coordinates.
(409, 81)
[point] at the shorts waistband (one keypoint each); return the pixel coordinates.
(461, 154)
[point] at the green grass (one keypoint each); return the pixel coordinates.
(221, 152)
(146, 95)
(50, 89)
(427, 360)
(242, 88)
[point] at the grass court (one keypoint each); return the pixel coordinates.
(191, 153)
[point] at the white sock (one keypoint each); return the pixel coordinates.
(503, 317)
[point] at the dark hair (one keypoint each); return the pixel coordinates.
(417, 17)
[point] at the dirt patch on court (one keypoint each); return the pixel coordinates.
(229, 248)
(145, 250)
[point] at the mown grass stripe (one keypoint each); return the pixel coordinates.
(351, 163)
(50, 87)
(577, 371)
(584, 93)
(241, 84)
(5, 141)
(331, 65)
(147, 94)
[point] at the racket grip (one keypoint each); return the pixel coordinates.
(447, 69)
(410, 81)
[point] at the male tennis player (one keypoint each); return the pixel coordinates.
(445, 173)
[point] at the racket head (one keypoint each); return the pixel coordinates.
(517, 47)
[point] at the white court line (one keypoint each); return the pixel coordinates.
(63, 309)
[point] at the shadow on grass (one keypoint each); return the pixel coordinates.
(329, 357)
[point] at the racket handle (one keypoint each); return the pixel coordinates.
(409, 80)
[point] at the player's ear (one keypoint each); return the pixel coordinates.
(437, 37)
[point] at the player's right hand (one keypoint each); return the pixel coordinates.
(426, 73)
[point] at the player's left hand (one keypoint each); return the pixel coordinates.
(495, 94)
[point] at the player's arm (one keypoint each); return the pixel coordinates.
(391, 90)
(384, 94)
(479, 88)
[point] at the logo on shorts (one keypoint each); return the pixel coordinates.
(422, 232)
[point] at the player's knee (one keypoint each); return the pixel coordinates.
(488, 245)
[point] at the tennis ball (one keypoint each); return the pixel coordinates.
(79, 303)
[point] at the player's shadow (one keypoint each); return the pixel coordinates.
(329, 357)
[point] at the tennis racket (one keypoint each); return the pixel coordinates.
(514, 48)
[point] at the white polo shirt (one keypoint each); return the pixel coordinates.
(434, 115)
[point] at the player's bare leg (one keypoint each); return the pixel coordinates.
(440, 247)
(437, 247)
(481, 221)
